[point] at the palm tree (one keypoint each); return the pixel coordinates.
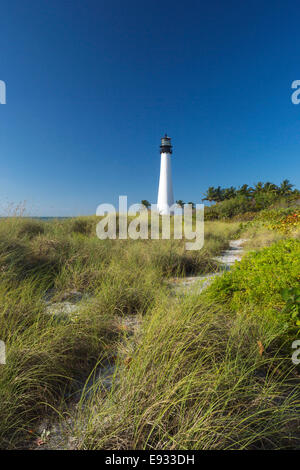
(270, 187)
(245, 190)
(146, 203)
(210, 194)
(258, 188)
(285, 188)
(214, 194)
(229, 193)
(180, 203)
(219, 194)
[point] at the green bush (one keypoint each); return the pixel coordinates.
(258, 279)
(242, 207)
(292, 306)
(230, 208)
(235, 206)
(211, 213)
(273, 215)
(264, 200)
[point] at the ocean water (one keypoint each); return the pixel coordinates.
(50, 218)
(41, 218)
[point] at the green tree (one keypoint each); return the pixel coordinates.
(229, 193)
(270, 188)
(210, 194)
(245, 190)
(219, 194)
(146, 203)
(285, 188)
(258, 188)
(180, 203)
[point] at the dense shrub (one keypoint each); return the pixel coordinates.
(258, 279)
(273, 215)
(229, 208)
(267, 207)
(264, 200)
(211, 213)
(235, 206)
(290, 222)
(282, 220)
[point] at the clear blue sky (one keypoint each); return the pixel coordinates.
(92, 85)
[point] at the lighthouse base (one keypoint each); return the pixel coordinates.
(165, 210)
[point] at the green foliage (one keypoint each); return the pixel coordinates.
(292, 299)
(257, 281)
(273, 215)
(211, 213)
(180, 203)
(232, 207)
(263, 193)
(229, 208)
(232, 202)
(264, 200)
(284, 219)
(146, 203)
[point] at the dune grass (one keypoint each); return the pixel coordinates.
(45, 355)
(203, 372)
(209, 371)
(42, 262)
(196, 380)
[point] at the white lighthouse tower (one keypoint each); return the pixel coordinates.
(165, 190)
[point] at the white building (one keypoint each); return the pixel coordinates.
(165, 190)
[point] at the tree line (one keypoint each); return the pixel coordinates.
(219, 194)
(180, 203)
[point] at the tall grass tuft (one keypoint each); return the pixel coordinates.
(197, 379)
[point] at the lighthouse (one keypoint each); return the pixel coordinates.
(165, 190)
